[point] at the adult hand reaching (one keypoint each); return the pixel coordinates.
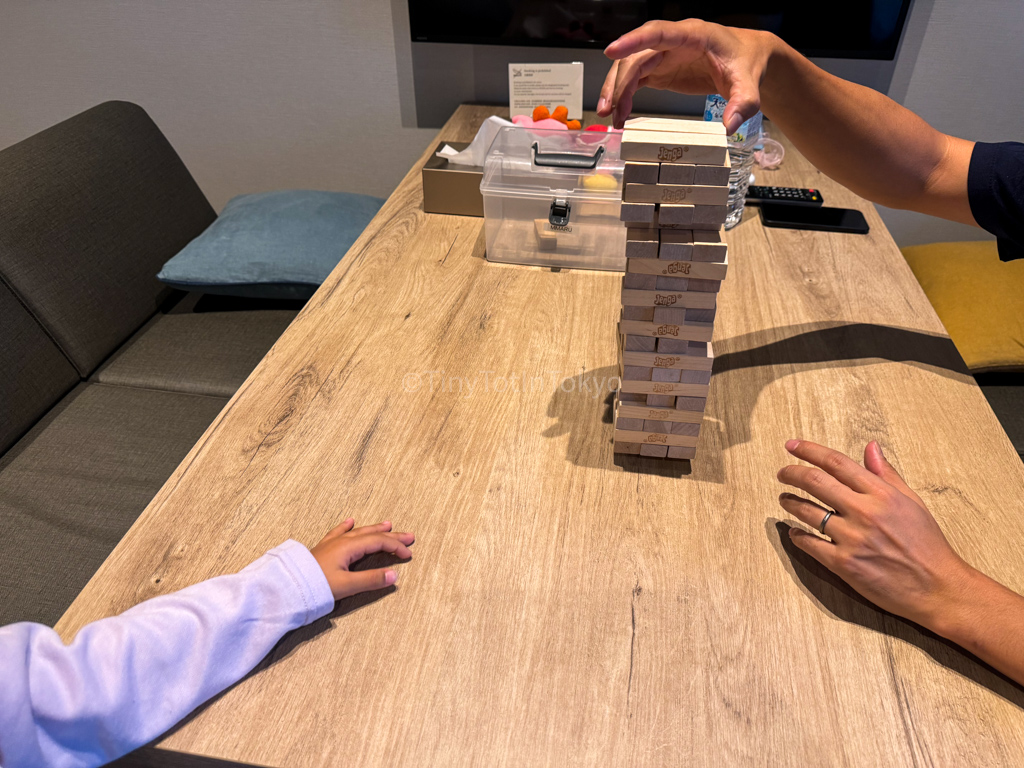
(887, 546)
(691, 56)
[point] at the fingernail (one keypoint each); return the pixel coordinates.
(602, 104)
(390, 578)
(792, 444)
(878, 445)
(733, 124)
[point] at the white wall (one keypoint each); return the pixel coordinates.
(966, 79)
(268, 94)
(254, 94)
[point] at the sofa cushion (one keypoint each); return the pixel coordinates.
(33, 372)
(91, 209)
(71, 488)
(186, 349)
(979, 299)
(273, 245)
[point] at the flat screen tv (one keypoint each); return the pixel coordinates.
(854, 29)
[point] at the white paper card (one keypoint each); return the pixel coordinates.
(552, 85)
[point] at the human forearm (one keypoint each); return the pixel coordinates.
(987, 619)
(865, 140)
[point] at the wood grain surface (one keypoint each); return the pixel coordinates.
(562, 608)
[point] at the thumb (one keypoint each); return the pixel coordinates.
(744, 102)
(876, 463)
(355, 582)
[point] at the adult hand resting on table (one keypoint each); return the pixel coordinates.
(887, 546)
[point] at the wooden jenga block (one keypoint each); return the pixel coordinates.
(645, 314)
(634, 397)
(654, 451)
(681, 452)
(676, 245)
(639, 412)
(669, 315)
(675, 125)
(546, 240)
(695, 376)
(662, 427)
(656, 360)
(674, 346)
(657, 222)
(700, 349)
(636, 425)
(676, 173)
(677, 215)
(713, 175)
(639, 343)
(703, 175)
(654, 438)
(641, 173)
(671, 284)
(692, 270)
(700, 284)
(687, 331)
(707, 251)
(691, 194)
(691, 403)
(639, 213)
(706, 216)
(666, 388)
(681, 428)
(665, 374)
(642, 243)
(636, 373)
(696, 315)
(640, 282)
(665, 147)
(628, 448)
(687, 299)
(661, 401)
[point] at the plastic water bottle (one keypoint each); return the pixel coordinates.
(742, 145)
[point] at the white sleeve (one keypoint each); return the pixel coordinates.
(125, 680)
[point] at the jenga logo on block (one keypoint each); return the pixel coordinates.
(656, 438)
(667, 330)
(660, 300)
(677, 268)
(670, 154)
(673, 195)
(665, 362)
(662, 386)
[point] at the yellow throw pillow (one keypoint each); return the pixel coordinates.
(979, 299)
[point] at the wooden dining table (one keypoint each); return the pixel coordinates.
(566, 605)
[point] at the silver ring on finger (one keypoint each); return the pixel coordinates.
(825, 519)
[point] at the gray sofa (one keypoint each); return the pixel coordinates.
(107, 377)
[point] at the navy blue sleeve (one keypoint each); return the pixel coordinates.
(995, 191)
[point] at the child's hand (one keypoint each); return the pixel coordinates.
(345, 545)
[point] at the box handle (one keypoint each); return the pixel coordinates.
(565, 159)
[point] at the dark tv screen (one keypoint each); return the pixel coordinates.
(856, 29)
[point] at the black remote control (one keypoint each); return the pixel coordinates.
(784, 196)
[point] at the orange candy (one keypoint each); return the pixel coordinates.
(541, 113)
(572, 125)
(561, 114)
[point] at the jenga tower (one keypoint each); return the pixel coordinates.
(674, 193)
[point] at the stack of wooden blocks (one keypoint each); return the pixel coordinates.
(674, 194)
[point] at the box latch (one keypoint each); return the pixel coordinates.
(559, 213)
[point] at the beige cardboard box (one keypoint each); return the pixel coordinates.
(452, 189)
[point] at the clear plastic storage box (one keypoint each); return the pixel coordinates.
(552, 198)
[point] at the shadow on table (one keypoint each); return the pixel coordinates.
(582, 405)
(839, 599)
(149, 756)
(771, 354)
